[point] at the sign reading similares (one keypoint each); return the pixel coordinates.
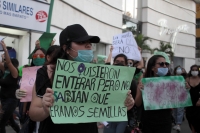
(85, 92)
(27, 14)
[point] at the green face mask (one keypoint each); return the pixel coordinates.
(38, 61)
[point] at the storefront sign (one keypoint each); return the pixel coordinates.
(164, 29)
(27, 14)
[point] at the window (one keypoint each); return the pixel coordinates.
(129, 8)
(197, 23)
(129, 26)
(198, 48)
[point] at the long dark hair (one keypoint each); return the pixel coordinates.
(15, 63)
(189, 74)
(51, 50)
(59, 53)
(152, 63)
(43, 51)
(123, 56)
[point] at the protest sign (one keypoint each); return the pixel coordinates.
(125, 44)
(46, 39)
(85, 92)
(101, 59)
(165, 92)
(28, 81)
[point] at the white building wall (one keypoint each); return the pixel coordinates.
(176, 13)
(98, 17)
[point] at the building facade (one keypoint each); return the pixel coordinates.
(99, 17)
(198, 34)
(170, 21)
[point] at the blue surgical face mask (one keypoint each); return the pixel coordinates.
(162, 71)
(84, 56)
(179, 71)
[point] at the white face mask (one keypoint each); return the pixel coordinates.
(179, 71)
(194, 73)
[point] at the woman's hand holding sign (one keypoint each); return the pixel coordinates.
(47, 100)
(129, 102)
(187, 85)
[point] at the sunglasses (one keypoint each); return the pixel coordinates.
(163, 63)
(38, 56)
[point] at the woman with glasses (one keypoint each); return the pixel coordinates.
(193, 112)
(155, 121)
(120, 126)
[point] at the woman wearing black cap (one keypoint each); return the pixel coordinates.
(75, 45)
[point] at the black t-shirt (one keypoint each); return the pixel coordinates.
(8, 87)
(47, 126)
(193, 112)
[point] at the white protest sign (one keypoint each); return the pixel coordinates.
(125, 44)
(27, 14)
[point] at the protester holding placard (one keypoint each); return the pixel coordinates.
(139, 65)
(120, 126)
(38, 59)
(178, 113)
(155, 121)
(75, 45)
(8, 87)
(193, 112)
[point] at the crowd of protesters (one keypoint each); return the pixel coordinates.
(75, 45)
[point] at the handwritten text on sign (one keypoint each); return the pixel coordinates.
(165, 92)
(87, 92)
(28, 81)
(126, 44)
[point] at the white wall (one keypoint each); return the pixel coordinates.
(95, 16)
(23, 49)
(176, 12)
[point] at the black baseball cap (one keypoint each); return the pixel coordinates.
(76, 33)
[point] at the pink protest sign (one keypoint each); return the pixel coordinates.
(165, 92)
(28, 81)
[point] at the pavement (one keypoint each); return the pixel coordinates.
(184, 128)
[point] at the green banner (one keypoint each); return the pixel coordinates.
(85, 92)
(101, 59)
(46, 39)
(165, 92)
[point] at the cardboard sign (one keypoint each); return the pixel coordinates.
(125, 44)
(85, 92)
(46, 39)
(28, 81)
(165, 92)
